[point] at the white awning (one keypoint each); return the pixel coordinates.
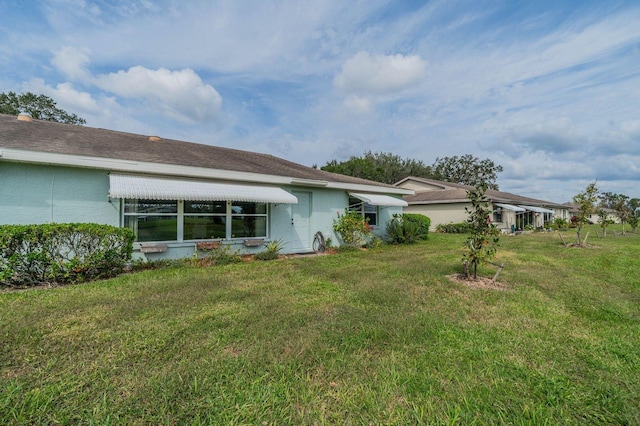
(379, 200)
(153, 188)
(538, 209)
(510, 207)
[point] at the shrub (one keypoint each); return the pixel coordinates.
(62, 253)
(422, 222)
(559, 223)
(352, 228)
(453, 228)
(272, 252)
(402, 231)
(223, 255)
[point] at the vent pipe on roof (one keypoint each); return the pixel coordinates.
(154, 138)
(23, 116)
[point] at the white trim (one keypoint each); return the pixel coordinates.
(142, 167)
(379, 200)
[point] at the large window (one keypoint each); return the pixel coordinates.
(204, 219)
(156, 220)
(152, 220)
(367, 210)
(248, 220)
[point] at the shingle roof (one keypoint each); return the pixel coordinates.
(58, 138)
(455, 192)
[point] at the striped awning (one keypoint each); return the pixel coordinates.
(510, 207)
(379, 200)
(538, 209)
(155, 188)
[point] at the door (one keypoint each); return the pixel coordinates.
(300, 223)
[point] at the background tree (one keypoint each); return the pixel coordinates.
(481, 244)
(382, 167)
(609, 200)
(466, 170)
(389, 168)
(585, 202)
(40, 107)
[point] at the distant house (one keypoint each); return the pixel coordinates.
(445, 202)
(175, 195)
(594, 217)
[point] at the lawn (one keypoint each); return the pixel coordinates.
(368, 337)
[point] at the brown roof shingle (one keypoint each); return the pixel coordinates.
(58, 138)
(455, 192)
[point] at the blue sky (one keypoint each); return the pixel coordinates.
(550, 90)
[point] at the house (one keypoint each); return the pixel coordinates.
(176, 196)
(445, 202)
(612, 215)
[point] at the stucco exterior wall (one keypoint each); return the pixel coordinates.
(32, 194)
(440, 213)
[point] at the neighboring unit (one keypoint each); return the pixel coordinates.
(177, 196)
(445, 202)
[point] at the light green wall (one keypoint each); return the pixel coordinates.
(32, 194)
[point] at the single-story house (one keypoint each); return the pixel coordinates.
(176, 196)
(594, 217)
(445, 202)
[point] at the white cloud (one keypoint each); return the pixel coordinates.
(181, 94)
(66, 96)
(368, 74)
(72, 62)
(358, 104)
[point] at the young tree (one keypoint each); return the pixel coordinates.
(40, 107)
(481, 244)
(586, 207)
(622, 209)
(603, 218)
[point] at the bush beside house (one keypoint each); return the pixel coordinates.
(62, 253)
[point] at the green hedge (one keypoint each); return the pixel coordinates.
(453, 228)
(422, 222)
(407, 228)
(62, 253)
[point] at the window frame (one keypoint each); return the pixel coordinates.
(497, 215)
(181, 215)
(360, 206)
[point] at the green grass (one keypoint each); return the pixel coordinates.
(365, 337)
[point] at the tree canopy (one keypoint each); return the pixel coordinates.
(467, 170)
(382, 167)
(40, 107)
(388, 168)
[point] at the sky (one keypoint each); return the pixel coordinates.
(549, 90)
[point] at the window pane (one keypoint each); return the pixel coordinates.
(204, 227)
(205, 207)
(249, 226)
(150, 206)
(153, 228)
(239, 207)
(373, 218)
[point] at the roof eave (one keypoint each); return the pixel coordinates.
(129, 166)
